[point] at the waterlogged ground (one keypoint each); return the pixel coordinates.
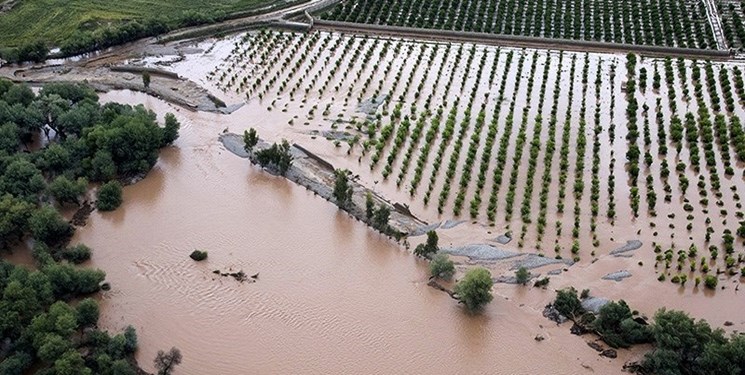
(333, 296)
(541, 155)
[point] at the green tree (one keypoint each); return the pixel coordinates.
(10, 138)
(522, 275)
(74, 92)
(19, 94)
(14, 215)
(87, 312)
(428, 248)
(165, 362)
(342, 188)
(277, 156)
(568, 304)
(616, 326)
(76, 254)
(109, 196)
(22, 179)
(441, 267)
(71, 363)
(250, 139)
(102, 166)
(381, 217)
(680, 343)
(710, 281)
(474, 291)
(48, 226)
(55, 158)
(369, 205)
(170, 131)
(146, 79)
(66, 191)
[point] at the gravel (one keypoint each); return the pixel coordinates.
(424, 229)
(617, 276)
(531, 261)
(503, 239)
(449, 224)
(629, 246)
(480, 252)
(593, 304)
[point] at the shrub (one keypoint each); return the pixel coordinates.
(77, 254)
(711, 281)
(198, 255)
(109, 196)
(442, 267)
(522, 275)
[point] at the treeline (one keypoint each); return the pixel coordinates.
(682, 345)
(84, 41)
(45, 320)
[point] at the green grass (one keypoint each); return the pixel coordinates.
(54, 20)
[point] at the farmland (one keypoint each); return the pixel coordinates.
(54, 21)
(672, 23)
(567, 152)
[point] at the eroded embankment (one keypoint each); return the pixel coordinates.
(165, 85)
(317, 175)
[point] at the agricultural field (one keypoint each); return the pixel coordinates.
(53, 21)
(673, 23)
(569, 153)
(733, 18)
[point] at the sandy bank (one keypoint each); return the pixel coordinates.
(318, 176)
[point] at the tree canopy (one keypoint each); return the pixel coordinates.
(474, 291)
(47, 318)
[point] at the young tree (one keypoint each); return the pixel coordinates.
(428, 248)
(109, 196)
(522, 275)
(170, 130)
(250, 139)
(369, 205)
(165, 362)
(146, 79)
(441, 267)
(474, 290)
(342, 188)
(381, 217)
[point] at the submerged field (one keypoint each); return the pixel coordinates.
(673, 23)
(568, 153)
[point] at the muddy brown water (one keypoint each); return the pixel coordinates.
(332, 296)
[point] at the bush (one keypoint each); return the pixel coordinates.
(474, 290)
(198, 255)
(77, 254)
(711, 281)
(617, 327)
(425, 250)
(542, 282)
(522, 275)
(109, 196)
(441, 267)
(568, 304)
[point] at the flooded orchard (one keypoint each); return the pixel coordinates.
(332, 296)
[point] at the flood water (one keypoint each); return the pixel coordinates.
(332, 296)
